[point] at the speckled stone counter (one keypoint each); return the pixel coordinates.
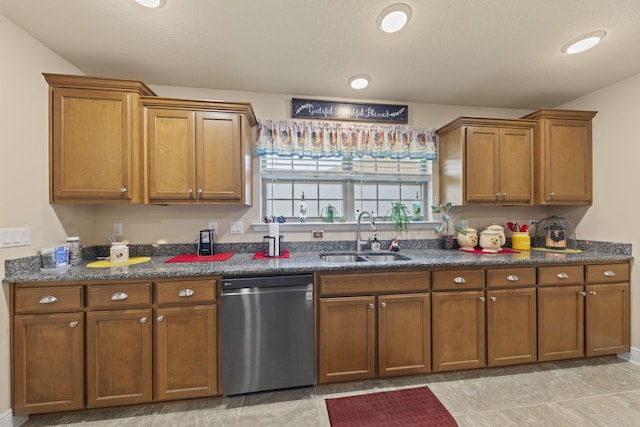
(303, 260)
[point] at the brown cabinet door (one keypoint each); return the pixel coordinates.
(171, 147)
(516, 179)
(404, 335)
(91, 145)
(560, 322)
(219, 156)
(567, 162)
(186, 350)
(458, 336)
(48, 368)
(607, 313)
(482, 177)
(119, 357)
(346, 339)
(511, 326)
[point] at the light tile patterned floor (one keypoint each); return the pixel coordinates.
(586, 392)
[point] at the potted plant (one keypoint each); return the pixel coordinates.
(447, 227)
(399, 214)
(329, 213)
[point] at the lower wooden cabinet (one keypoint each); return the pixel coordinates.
(48, 368)
(119, 354)
(186, 352)
(458, 340)
(607, 319)
(348, 349)
(560, 322)
(511, 326)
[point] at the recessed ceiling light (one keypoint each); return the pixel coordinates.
(584, 42)
(151, 3)
(359, 81)
(394, 18)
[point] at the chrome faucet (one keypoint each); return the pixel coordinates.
(373, 228)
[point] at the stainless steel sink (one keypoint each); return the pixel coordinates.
(385, 257)
(365, 257)
(341, 258)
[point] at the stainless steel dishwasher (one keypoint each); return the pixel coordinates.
(267, 333)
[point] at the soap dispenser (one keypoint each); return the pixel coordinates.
(375, 244)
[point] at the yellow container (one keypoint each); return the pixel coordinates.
(520, 241)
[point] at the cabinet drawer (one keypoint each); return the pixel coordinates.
(606, 273)
(186, 292)
(561, 275)
(511, 277)
(48, 299)
(359, 283)
(119, 295)
(458, 279)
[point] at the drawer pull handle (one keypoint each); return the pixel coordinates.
(383, 305)
(119, 296)
(48, 299)
(610, 273)
(73, 324)
(371, 305)
(459, 280)
(513, 278)
(160, 318)
(483, 299)
(562, 276)
(594, 293)
(493, 299)
(143, 320)
(583, 293)
(186, 293)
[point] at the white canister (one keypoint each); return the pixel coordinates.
(500, 230)
(119, 252)
(468, 240)
(490, 241)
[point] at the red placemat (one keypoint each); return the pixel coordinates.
(265, 255)
(198, 258)
(481, 252)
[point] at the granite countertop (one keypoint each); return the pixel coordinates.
(302, 262)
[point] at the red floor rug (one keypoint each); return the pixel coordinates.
(408, 407)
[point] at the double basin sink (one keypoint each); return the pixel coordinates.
(363, 257)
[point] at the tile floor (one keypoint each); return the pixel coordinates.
(586, 392)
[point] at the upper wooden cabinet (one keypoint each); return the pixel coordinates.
(95, 148)
(563, 157)
(198, 151)
(486, 161)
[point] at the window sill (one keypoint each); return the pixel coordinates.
(341, 226)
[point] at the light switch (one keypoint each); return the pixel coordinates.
(236, 227)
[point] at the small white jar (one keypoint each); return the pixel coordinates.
(469, 240)
(490, 241)
(119, 252)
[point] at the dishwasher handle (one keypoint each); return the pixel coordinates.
(266, 281)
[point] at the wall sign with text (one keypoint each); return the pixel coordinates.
(314, 109)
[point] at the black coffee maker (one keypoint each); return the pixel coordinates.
(205, 243)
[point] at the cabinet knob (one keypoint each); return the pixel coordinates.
(459, 280)
(123, 189)
(383, 305)
(583, 293)
(143, 320)
(512, 278)
(73, 324)
(199, 191)
(186, 293)
(497, 196)
(190, 191)
(160, 318)
(594, 293)
(552, 195)
(562, 276)
(371, 305)
(493, 298)
(483, 299)
(48, 299)
(504, 195)
(610, 273)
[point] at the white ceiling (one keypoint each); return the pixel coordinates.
(497, 53)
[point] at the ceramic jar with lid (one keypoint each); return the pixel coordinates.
(468, 240)
(490, 241)
(500, 230)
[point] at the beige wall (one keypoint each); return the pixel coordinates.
(24, 173)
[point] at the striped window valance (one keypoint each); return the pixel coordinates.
(320, 139)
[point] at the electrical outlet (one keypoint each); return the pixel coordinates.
(532, 222)
(213, 225)
(117, 229)
(236, 227)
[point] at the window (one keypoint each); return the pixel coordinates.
(350, 185)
